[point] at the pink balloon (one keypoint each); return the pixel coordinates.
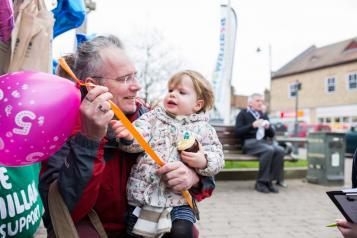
(38, 112)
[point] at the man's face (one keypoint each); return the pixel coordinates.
(116, 66)
(257, 103)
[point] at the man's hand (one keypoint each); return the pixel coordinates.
(195, 160)
(348, 230)
(96, 113)
(266, 124)
(257, 123)
(178, 176)
(120, 130)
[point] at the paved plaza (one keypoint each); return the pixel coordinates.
(236, 210)
(302, 210)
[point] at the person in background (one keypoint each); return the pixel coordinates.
(278, 173)
(178, 130)
(253, 127)
(348, 229)
(89, 170)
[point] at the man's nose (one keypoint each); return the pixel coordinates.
(135, 86)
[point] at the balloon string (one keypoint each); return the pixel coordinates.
(119, 114)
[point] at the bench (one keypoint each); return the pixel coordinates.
(232, 146)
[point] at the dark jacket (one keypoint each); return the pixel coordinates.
(94, 175)
(244, 126)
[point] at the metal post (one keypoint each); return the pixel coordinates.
(90, 6)
(297, 87)
(227, 84)
(258, 50)
(270, 76)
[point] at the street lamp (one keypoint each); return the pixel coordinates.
(297, 88)
(258, 50)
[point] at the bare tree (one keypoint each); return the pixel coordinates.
(156, 62)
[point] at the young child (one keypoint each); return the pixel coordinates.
(182, 119)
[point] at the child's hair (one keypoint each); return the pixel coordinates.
(201, 85)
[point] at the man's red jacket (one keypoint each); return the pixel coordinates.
(94, 175)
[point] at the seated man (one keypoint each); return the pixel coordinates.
(253, 127)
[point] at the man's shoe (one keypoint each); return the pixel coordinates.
(261, 187)
(271, 188)
(282, 184)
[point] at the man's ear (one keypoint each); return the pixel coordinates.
(198, 106)
(90, 80)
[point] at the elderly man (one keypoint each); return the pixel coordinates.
(253, 126)
(91, 172)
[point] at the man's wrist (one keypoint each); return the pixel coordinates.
(124, 141)
(195, 179)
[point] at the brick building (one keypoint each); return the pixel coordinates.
(328, 94)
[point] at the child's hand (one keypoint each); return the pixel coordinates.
(195, 160)
(120, 130)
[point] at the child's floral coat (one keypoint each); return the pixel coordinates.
(162, 132)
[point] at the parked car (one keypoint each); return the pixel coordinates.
(280, 128)
(351, 140)
(304, 129)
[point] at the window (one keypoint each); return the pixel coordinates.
(292, 90)
(331, 84)
(352, 81)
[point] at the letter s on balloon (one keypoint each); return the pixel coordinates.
(32, 157)
(25, 127)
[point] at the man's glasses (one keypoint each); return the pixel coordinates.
(126, 79)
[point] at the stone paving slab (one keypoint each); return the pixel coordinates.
(236, 210)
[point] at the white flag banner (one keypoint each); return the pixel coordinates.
(222, 74)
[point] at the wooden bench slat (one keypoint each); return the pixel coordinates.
(231, 141)
(240, 157)
(232, 147)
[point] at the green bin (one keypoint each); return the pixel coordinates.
(326, 158)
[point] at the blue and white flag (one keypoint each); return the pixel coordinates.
(222, 75)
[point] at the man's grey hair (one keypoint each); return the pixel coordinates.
(88, 61)
(251, 97)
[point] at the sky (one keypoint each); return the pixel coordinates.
(191, 27)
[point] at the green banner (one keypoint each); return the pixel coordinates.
(20, 203)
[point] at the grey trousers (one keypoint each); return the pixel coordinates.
(271, 159)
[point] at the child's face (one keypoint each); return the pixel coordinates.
(181, 98)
